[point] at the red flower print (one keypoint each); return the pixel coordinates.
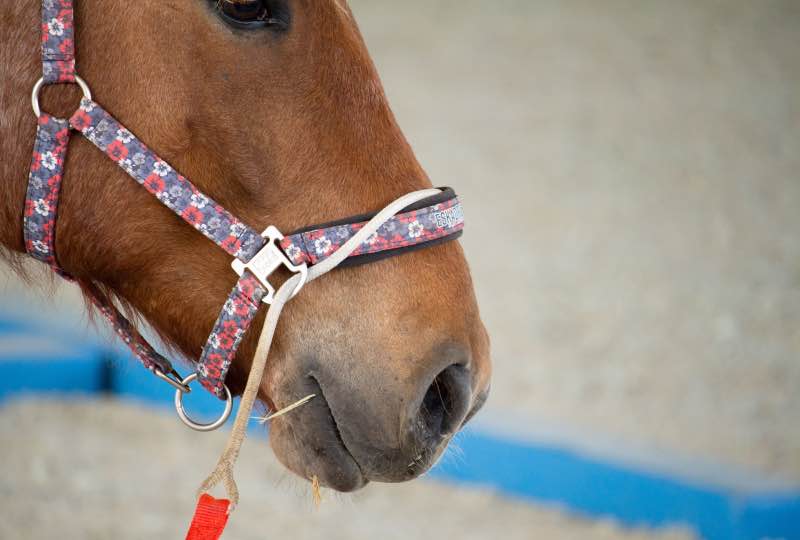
(62, 137)
(66, 46)
(80, 120)
(154, 184)
(242, 309)
(231, 244)
(192, 215)
(36, 162)
(213, 372)
(229, 327)
(225, 342)
(116, 151)
(247, 287)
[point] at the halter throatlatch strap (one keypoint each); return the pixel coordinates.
(44, 186)
(58, 42)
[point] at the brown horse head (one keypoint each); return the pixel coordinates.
(283, 121)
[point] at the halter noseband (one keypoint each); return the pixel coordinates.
(435, 219)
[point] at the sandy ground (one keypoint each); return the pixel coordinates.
(67, 476)
(630, 174)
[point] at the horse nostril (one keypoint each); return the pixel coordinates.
(445, 403)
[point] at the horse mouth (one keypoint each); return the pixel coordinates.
(331, 418)
(310, 444)
(346, 443)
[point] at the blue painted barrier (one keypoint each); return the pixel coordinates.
(634, 497)
(520, 468)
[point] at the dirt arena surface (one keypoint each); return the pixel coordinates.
(104, 469)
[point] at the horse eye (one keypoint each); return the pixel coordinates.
(248, 14)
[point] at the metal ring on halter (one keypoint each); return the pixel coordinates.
(191, 423)
(87, 94)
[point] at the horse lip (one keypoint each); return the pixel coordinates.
(321, 394)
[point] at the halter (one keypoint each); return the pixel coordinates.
(434, 218)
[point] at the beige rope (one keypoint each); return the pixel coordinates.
(223, 472)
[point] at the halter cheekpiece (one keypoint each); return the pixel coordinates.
(256, 256)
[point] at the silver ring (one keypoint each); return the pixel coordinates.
(191, 423)
(87, 94)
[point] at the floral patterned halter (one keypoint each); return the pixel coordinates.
(433, 220)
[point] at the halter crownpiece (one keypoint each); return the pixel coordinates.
(425, 221)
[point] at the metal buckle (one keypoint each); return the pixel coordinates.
(172, 378)
(87, 94)
(191, 423)
(269, 259)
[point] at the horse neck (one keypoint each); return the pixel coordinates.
(19, 68)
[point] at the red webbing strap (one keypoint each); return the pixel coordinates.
(210, 518)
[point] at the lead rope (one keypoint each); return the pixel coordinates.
(223, 472)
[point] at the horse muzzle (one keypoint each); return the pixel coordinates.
(390, 431)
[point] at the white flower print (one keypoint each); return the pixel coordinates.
(199, 200)
(237, 229)
(415, 229)
(41, 207)
(127, 165)
(124, 136)
(49, 160)
(164, 197)
(40, 247)
(322, 245)
(372, 239)
(293, 252)
(102, 127)
(161, 168)
(213, 340)
(229, 308)
(55, 27)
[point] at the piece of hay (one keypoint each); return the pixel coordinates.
(315, 491)
(293, 406)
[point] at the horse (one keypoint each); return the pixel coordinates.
(274, 108)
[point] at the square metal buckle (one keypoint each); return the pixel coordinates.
(269, 259)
